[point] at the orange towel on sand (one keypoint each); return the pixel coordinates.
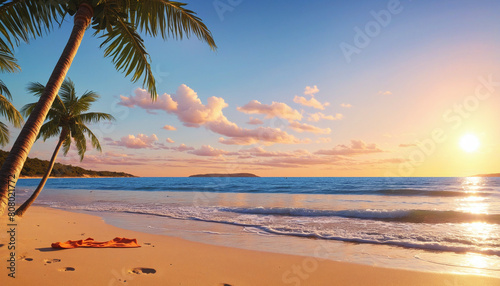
(89, 242)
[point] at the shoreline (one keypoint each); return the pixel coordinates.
(177, 261)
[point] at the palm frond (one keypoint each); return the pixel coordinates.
(4, 134)
(21, 20)
(67, 93)
(10, 112)
(79, 138)
(67, 144)
(84, 102)
(93, 139)
(7, 62)
(169, 18)
(37, 89)
(49, 129)
(126, 49)
(94, 117)
(4, 90)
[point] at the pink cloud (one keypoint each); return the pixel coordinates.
(303, 127)
(170, 140)
(180, 148)
(136, 142)
(143, 100)
(407, 145)
(315, 117)
(276, 109)
(357, 147)
(189, 109)
(312, 102)
(169, 127)
(207, 150)
(311, 90)
(255, 121)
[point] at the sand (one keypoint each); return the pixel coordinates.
(164, 260)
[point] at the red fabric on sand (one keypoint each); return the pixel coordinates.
(117, 242)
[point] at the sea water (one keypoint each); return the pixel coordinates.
(431, 224)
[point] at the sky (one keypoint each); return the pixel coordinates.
(316, 88)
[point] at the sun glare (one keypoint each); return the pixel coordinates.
(469, 143)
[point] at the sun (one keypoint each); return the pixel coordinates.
(469, 143)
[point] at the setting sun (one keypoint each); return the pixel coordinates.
(469, 143)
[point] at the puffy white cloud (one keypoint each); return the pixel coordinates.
(346, 105)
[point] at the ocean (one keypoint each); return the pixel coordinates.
(430, 224)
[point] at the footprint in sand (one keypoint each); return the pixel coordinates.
(67, 269)
(25, 258)
(48, 261)
(142, 270)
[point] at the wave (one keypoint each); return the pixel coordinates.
(411, 216)
(358, 226)
(426, 193)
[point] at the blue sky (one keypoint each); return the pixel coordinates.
(425, 59)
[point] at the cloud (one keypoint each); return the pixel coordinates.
(303, 127)
(357, 147)
(346, 105)
(170, 140)
(207, 150)
(189, 109)
(180, 148)
(143, 100)
(276, 109)
(255, 121)
(169, 127)
(384, 92)
(140, 141)
(315, 117)
(407, 145)
(311, 90)
(310, 102)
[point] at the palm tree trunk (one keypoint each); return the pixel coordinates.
(15, 160)
(22, 209)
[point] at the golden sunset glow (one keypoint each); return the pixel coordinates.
(469, 143)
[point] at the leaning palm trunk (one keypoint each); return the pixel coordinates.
(15, 160)
(22, 209)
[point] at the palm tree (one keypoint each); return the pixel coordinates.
(118, 21)
(66, 119)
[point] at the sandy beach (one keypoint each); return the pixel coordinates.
(164, 260)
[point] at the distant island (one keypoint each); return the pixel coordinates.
(488, 175)
(235, 175)
(34, 167)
